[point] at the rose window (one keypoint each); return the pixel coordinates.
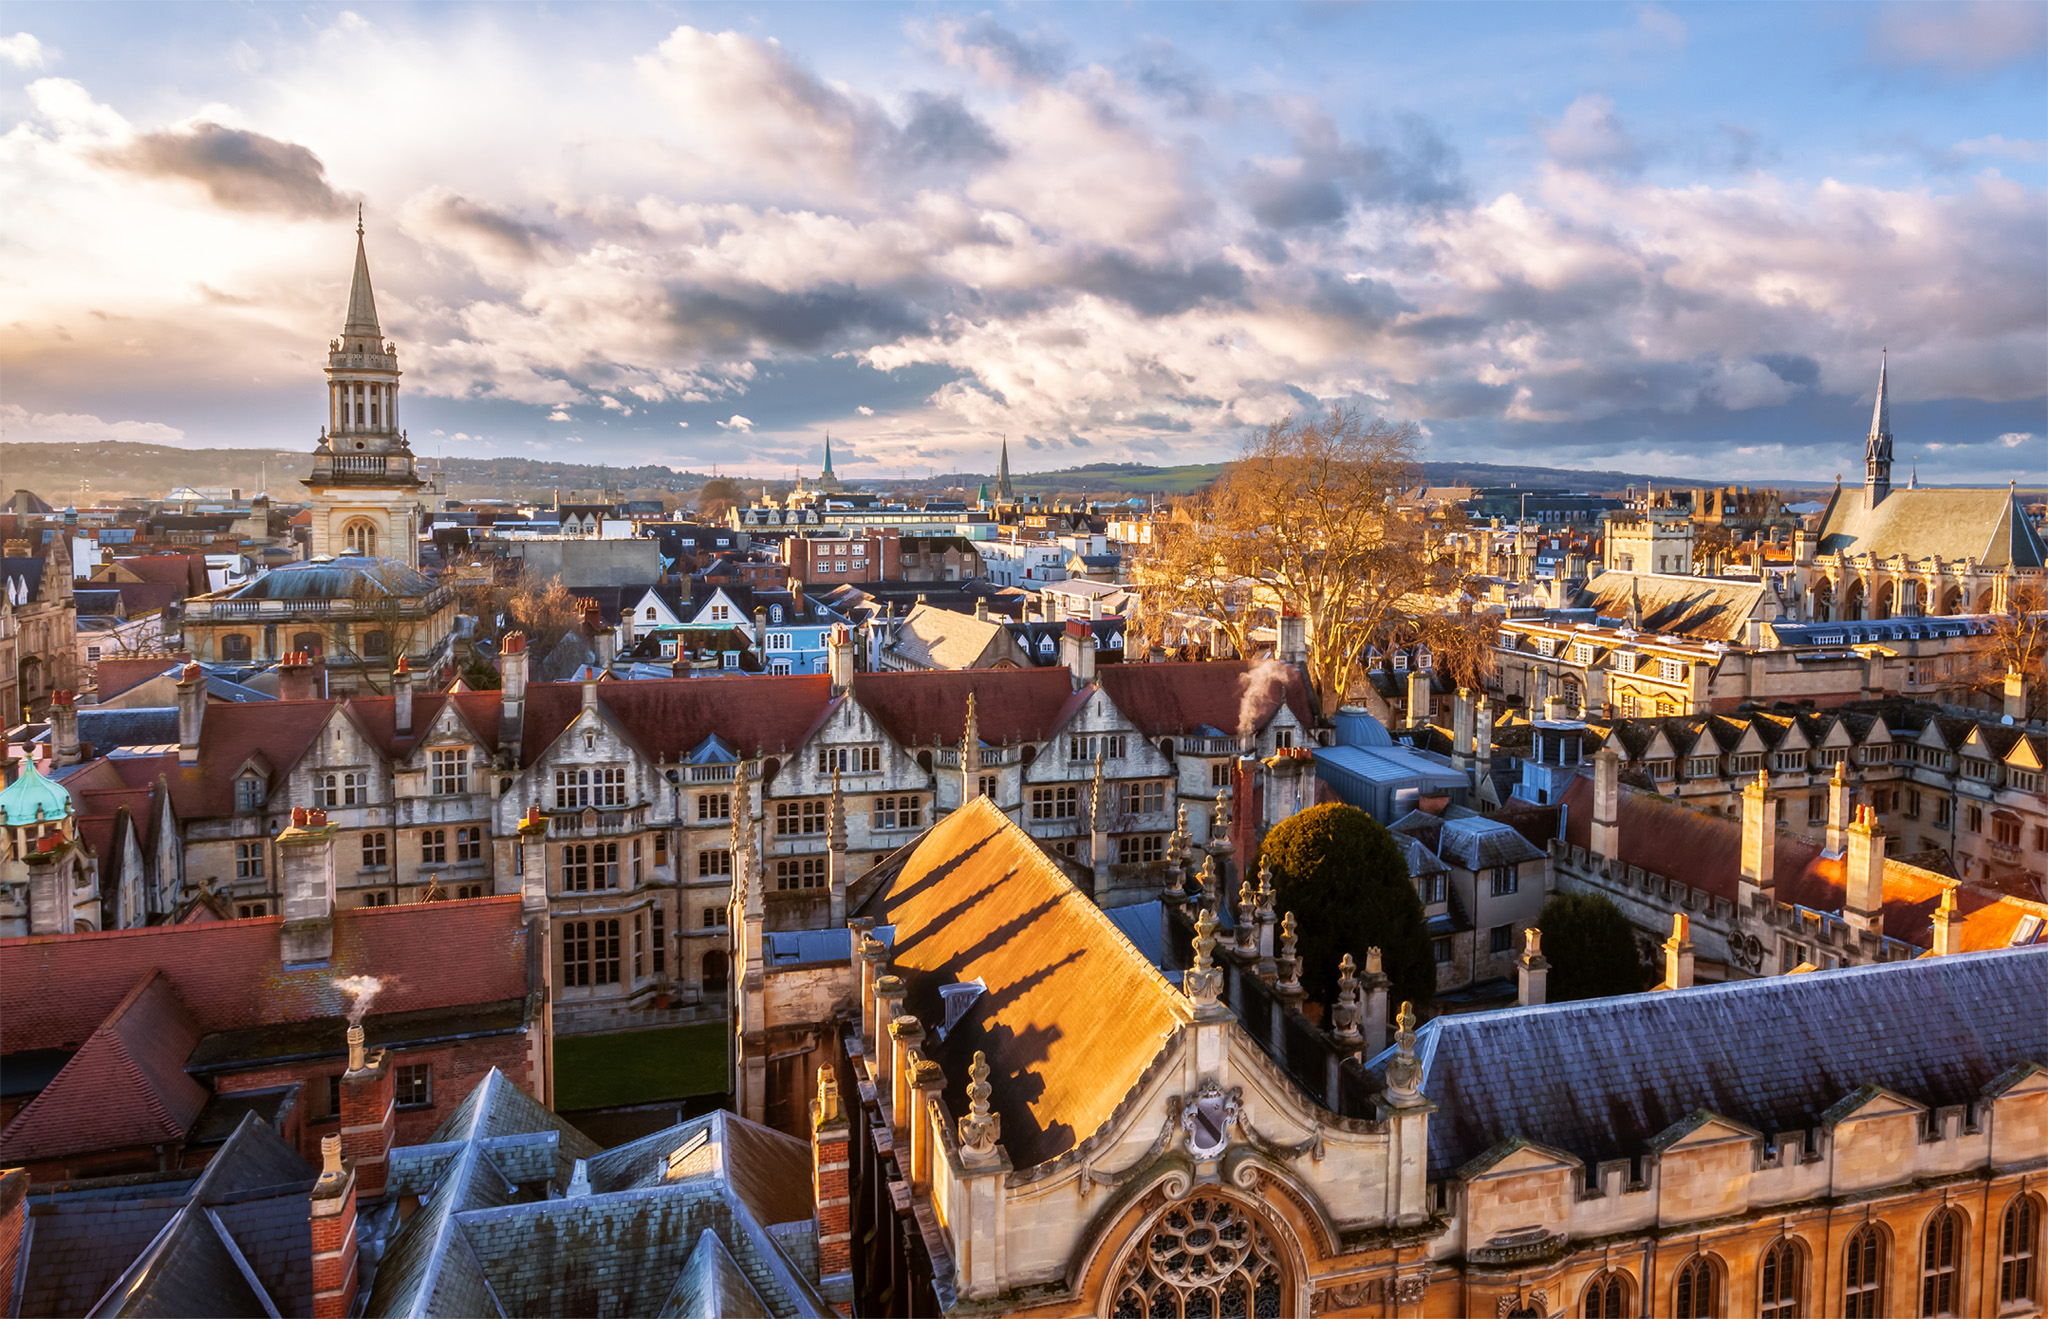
(1204, 1259)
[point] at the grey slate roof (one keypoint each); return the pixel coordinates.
(1602, 1078)
(1480, 844)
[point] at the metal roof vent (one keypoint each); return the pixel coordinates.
(958, 998)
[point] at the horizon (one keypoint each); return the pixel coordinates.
(1620, 238)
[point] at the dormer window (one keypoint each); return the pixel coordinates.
(775, 613)
(249, 793)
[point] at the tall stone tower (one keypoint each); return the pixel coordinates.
(365, 482)
(1877, 450)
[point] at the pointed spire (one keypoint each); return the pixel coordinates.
(1003, 491)
(828, 454)
(362, 306)
(1877, 450)
(1881, 414)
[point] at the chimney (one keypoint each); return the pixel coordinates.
(1678, 954)
(1461, 731)
(607, 645)
(1532, 972)
(1418, 697)
(906, 1046)
(1293, 647)
(835, 863)
(2016, 696)
(1759, 834)
(1247, 813)
(512, 689)
(401, 698)
(1374, 986)
(981, 608)
(191, 712)
(63, 729)
(1554, 710)
(335, 1266)
(1863, 874)
(369, 1114)
(1948, 925)
(1840, 807)
(1482, 737)
(1605, 834)
(295, 677)
(761, 630)
(626, 628)
(50, 901)
(1077, 652)
(305, 863)
(832, 1193)
(533, 863)
(839, 653)
(13, 1221)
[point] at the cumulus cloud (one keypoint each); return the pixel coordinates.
(1591, 137)
(737, 423)
(23, 51)
(1962, 38)
(240, 170)
(20, 426)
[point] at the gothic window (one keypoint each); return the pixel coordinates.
(2018, 1242)
(1606, 1297)
(1693, 1298)
(1202, 1258)
(1863, 1275)
(360, 536)
(1778, 1283)
(1939, 1253)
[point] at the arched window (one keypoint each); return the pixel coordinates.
(1607, 1297)
(714, 972)
(1202, 1257)
(2018, 1243)
(1778, 1281)
(1693, 1298)
(1940, 1248)
(235, 647)
(360, 536)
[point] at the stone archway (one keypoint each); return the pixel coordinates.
(1854, 602)
(1951, 601)
(1881, 601)
(1824, 601)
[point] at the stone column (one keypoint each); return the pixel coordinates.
(1532, 972)
(1374, 989)
(906, 1038)
(1605, 833)
(927, 1083)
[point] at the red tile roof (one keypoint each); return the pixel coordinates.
(1167, 699)
(55, 990)
(1011, 705)
(668, 717)
(183, 571)
(1705, 851)
(126, 1087)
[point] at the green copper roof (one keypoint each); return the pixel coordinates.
(31, 798)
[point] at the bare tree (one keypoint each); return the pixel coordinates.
(1309, 521)
(545, 611)
(2018, 644)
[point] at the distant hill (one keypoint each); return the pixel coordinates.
(124, 469)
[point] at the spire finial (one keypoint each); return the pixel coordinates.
(359, 219)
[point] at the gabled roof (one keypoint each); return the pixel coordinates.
(668, 718)
(126, 1087)
(941, 639)
(1072, 1014)
(1164, 700)
(1603, 1078)
(1696, 608)
(930, 708)
(1986, 525)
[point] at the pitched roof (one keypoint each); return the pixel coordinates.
(1168, 699)
(56, 990)
(1987, 525)
(1072, 1013)
(939, 638)
(930, 708)
(668, 717)
(126, 1087)
(1697, 608)
(1602, 1078)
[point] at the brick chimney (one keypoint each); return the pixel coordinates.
(1841, 805)
(13, 1221)
(839, 657)
(512, 689)
(305, 863)
(832, 1193)
(401, 698)
(1863, 874)
(191, 712)
(1948, 925)
(1532, 972)
(335, 1266)
(295, 678)
(369, 1114)
(63, 728)
(1678, 954)
(1759, 834)
(1077, 652)
(1247, 812)
(1604, 835)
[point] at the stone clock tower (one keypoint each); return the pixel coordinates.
(365, 482)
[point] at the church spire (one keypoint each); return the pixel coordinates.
(1004, 494)
(828, 454)
(362, 306)
(1877, 449)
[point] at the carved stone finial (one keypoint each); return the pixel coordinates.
(1221, 824)
(1532, 943)
(825, 1108)
(1203, 982)
(1289, 961)
(1404, 1072)
(1373, 962)
(1212, 883)
(980, 1129)
(835, 821)
(1247, 919)
(1345, 1012)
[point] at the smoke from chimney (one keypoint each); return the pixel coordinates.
(1262, 682)
(362, 991)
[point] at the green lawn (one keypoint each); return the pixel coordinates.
(639, 1067)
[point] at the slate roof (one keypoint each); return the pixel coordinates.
(1603, 1078)
(150, 1246)
(1696, 608)
(1072, 1014)
(1987, 525)
(488, 1240)
(1480, 844)
(938, 638)
(334, 579)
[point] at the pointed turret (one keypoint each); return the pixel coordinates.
(362, 304)
(1877, 450)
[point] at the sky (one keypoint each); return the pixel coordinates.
(1665, 238)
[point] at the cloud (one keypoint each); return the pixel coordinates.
(2014, 439)
(558, 415)
(481, 231)
(240, 170)
(865, 410)
(23, 51)
(998, 55)
(1960, 38)
(1591, 137)
(737, 423)
(20, 426)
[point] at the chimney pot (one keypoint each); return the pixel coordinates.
(355, 1047)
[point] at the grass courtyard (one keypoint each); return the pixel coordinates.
(639, 1067)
